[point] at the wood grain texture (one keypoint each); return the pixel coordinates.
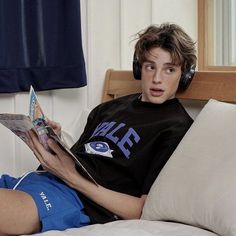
(205, 85)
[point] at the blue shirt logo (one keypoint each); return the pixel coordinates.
(98, 147)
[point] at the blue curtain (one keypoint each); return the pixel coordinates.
(40, 45)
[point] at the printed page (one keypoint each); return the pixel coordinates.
(19, 124)
(38, 119)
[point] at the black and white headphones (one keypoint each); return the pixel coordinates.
(185, 79)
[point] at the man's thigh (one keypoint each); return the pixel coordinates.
(18, 213)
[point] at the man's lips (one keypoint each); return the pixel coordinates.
(156, 92)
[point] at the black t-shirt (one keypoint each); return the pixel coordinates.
(126, 143)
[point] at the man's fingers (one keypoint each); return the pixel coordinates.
(54, 147)
(37, 146)
(33, 135)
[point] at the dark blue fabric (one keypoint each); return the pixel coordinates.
(40, 45)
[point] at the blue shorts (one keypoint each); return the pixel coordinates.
(59, 206)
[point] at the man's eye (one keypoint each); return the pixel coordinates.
(170, 70)
(149, 67)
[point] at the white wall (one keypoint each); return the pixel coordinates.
(111, 28)
(108, 28)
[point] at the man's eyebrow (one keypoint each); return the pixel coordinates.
(148, 61)
(166, 63)
(170, 64)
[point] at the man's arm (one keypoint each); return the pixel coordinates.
(61, 165)
(123, 205)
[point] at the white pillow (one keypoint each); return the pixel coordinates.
(197, 186)
(72, 132)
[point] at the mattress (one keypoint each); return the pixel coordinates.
(133, 228)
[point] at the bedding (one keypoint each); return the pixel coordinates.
(177, 197)
(133, 228)
(197, 186)
(192, 195)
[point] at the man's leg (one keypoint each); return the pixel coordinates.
(18, 213)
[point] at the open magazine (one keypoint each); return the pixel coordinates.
(20, 124)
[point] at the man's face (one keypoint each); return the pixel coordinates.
(160, 76)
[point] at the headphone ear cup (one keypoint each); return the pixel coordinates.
(186, 77)
(136, 68)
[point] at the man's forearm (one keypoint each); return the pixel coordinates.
(123, 205)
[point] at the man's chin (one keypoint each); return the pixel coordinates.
(157, 100)
(154, 99)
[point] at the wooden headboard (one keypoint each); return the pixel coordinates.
(205, 85)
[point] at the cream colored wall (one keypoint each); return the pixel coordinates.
(108, 27)
(112, 24)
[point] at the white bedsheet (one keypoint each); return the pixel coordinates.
(133, 228)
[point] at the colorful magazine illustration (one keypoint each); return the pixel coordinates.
(20, 124)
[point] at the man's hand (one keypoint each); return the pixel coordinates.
(60, 163)
(55, 126)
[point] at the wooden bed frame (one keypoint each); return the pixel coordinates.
(205, 85)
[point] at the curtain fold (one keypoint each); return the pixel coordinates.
(40, 45)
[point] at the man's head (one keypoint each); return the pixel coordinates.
(163, 55)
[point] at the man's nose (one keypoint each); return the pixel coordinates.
(157, 78)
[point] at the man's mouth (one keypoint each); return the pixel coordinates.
(155, 92)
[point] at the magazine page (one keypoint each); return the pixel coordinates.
(38, 119)
(19, 124)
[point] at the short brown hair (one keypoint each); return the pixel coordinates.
(169, 37)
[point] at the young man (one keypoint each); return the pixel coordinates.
(125, 144)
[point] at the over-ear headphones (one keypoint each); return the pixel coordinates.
(136, 68)
(185, 79)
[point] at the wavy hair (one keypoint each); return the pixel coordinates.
(169, 37)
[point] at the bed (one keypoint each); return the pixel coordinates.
(196, 190)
